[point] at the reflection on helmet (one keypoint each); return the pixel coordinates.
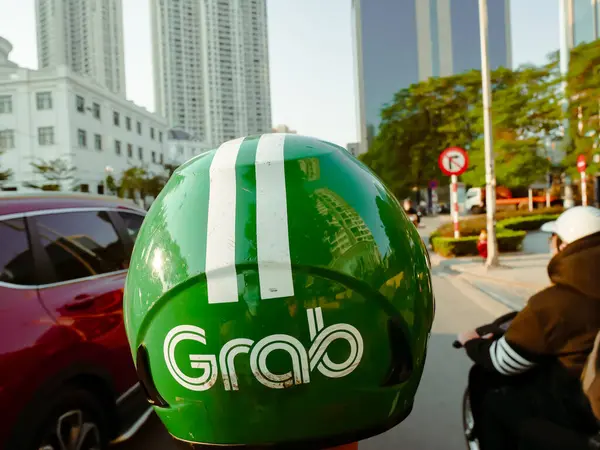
(277, 294)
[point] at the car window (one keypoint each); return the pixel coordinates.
(16, 259)
(81, 244)
(133, 222)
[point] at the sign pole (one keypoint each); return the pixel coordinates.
(453, 162)
(454, 201)
(530, 198)
(584, 199)
(581, 166)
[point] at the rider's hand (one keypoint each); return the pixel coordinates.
(467, 336)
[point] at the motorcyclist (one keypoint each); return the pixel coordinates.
(533, 371)
(278, 297)
(411, 211)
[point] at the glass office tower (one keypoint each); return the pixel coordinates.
(401, 42)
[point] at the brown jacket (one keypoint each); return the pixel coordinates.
(563, 320)
(559, 322)
(591, 379)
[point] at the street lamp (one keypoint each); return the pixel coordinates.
(490, 177)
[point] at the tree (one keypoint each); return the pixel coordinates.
(140, 180)
(441, 112)
(5, 175)
(583, 93)
(57, 172)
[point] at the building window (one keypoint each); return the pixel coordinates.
(84, 188)
(139, 128)
(118, 147)
(154, 157)
(5, 104)
(46, 135)
(7, 139)
(96, 110)
(98, 142)
(129, 151)
(44, 100)
(141, 153)
(128, 123)
(162, 160)
(80, 103)
(82, 138)
(151, 132)
(160, 136)
(116, 118)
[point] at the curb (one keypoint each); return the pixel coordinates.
(521, 284)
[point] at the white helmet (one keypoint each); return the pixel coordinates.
(575, 223)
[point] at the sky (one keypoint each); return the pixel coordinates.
(310, 51)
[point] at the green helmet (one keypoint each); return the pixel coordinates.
(278, 294)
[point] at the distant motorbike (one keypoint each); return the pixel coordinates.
(553, 433)
(415, 219)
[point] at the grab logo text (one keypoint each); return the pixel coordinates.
(302, 361)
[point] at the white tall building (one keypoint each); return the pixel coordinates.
(84, 35)
(53, 113)
(211, 67)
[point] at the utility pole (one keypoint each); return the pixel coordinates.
(490, 177)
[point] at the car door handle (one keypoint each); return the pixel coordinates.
(81, 301)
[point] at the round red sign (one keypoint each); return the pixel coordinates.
(453, 161)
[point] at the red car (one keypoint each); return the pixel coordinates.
(67, 379)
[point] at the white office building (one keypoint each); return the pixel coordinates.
(84, 35)
(54, 114)
(211, 67)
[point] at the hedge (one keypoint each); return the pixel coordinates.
(473, 226)
(508, 241)
(530, 223)
(511, 229)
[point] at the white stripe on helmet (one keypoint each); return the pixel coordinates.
(272, 237)
(221, 276)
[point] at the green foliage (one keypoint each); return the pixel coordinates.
(508, 241)
(427, 117)
(583, 91)
(58, 173)
(5, 175)
(137, 179)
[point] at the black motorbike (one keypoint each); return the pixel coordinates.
(497, 328)
(551, 436)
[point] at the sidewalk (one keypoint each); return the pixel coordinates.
(519, 276)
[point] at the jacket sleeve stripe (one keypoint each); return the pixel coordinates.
(513, 354)
(495, 360)
(506, 360)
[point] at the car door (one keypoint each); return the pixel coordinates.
(86, 263)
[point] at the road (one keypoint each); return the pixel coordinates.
(435, 422)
